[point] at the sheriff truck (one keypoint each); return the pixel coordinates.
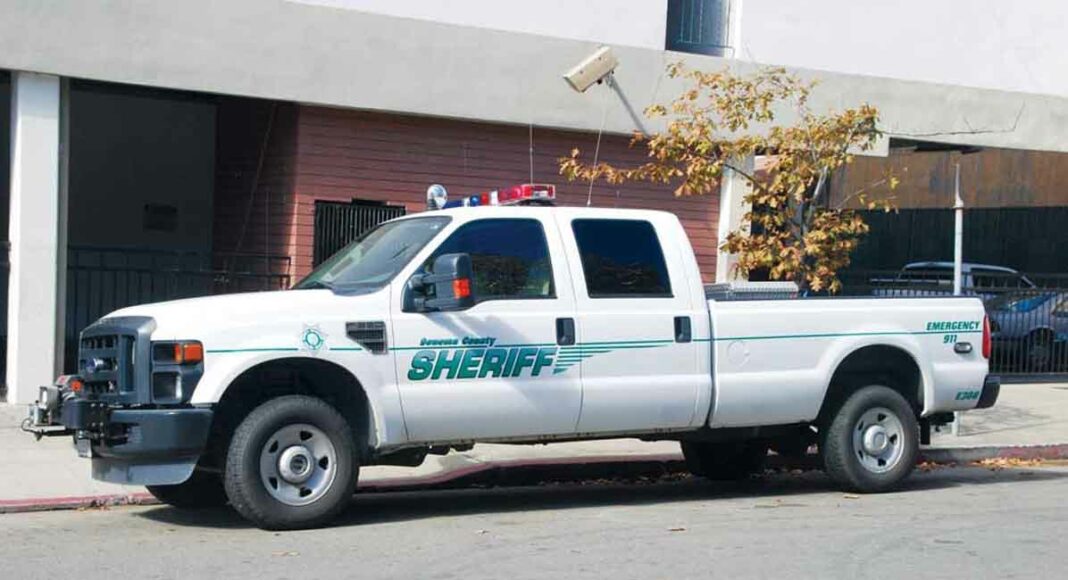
(502, 319)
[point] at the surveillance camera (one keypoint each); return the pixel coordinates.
(592, 70)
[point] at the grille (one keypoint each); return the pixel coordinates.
(105, 363)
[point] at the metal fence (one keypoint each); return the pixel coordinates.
(337, 224)
(1028, 313)
(102, 279)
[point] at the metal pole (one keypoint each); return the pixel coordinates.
(958, 261)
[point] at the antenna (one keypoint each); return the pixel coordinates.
(600, 132)
(531, 144)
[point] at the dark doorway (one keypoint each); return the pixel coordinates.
(337, 224)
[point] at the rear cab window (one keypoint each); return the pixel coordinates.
(621, 259)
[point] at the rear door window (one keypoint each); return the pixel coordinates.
(621, 259)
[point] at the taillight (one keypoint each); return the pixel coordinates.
(986, 337)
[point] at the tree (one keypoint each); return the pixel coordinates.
(793, 231)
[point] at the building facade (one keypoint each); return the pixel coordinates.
(202, 147)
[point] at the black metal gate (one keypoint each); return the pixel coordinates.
(337, 224)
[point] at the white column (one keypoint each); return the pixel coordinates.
(33, 351)
(732, 206)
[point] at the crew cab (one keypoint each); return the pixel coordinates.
(506, 323)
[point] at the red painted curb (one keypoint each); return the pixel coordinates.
(961, 455)
(11, 506)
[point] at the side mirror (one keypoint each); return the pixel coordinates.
(448, 287)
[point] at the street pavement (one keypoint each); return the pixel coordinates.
(951, 522)
(49, 469)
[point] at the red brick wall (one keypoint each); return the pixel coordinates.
(343, 155)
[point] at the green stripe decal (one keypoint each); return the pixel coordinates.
(842, 334)
(265, 349)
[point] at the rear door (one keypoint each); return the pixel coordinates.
(637, 349)
(487, 372)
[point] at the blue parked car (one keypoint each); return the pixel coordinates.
(1029, 328)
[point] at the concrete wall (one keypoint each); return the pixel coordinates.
(318, 55)
(617, 22)
(132, 148)
(994, 44)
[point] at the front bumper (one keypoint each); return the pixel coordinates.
(143, 446)
(991, 390)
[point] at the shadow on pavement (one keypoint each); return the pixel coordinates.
(388, 507)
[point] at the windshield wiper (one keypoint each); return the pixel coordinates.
(315, 284)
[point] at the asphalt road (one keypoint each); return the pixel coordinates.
(950, 522)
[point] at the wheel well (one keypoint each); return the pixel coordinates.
(289, 376)
(887, 365)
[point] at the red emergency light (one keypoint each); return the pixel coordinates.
(525, 194)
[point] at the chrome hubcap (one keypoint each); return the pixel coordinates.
(298, 464)
(295, 464)
(878, 440)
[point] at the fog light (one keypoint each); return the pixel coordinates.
(166, 387)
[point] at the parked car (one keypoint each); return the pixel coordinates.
(1029, 329)
(935, 278)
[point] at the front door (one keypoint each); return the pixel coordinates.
(488, 371)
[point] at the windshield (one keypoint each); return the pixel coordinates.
(374, 259)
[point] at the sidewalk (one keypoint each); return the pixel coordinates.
(48, 473)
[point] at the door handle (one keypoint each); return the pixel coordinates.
(565, 331)
(683, 331)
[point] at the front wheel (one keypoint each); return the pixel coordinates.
(872, 442)
(292, 464)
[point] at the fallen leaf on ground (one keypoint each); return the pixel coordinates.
(997, 463)
(676, 529)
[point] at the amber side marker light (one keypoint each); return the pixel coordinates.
(191, 352)
(461, 288)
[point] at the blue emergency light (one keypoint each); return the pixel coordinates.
(526, 194)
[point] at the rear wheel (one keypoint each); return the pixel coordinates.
(725, 461)
(201, 490)
(872, 442)
(292, 463)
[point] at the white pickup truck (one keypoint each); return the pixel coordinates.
(518, 324)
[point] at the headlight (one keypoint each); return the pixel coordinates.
(177, 353)
(176, 369)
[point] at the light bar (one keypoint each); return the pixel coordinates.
(527, 193)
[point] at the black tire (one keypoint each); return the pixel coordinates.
(845, 457)
(202, 490)
(248, 489)
(726, 461)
